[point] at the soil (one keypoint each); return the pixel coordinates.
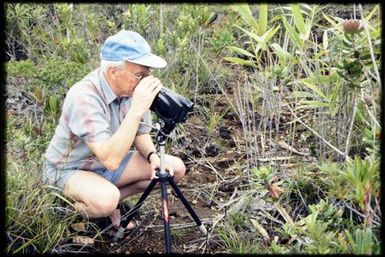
(211, 178)
(212, 158)
(198, 149)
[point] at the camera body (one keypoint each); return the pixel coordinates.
(171, 107)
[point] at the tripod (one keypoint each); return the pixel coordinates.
(163, 176)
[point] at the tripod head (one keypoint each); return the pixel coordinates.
(171, 108)
(164, 130)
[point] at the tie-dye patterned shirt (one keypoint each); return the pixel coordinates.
(91, 113)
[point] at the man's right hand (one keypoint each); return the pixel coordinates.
(144, 94)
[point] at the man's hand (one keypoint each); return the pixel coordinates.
(155, 164)
(144, 94)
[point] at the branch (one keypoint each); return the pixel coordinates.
(318, 135)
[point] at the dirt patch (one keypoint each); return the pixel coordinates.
(149, 236)
(186, 237)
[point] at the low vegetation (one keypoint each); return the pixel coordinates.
(287, 106)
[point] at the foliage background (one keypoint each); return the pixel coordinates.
(291, 77)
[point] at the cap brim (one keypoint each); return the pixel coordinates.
(151, 60)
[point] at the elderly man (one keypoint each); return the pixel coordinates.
(106, 113)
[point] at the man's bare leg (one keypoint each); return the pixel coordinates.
(136, 176)
(94, 196)
(97, 197)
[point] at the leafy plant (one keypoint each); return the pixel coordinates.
(363, 242)
(363, 177)
(29, 208)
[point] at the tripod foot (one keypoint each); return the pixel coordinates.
(203, 229)
(119, 234)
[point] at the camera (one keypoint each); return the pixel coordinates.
(171, 107)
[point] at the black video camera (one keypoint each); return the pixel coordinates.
(171, 108)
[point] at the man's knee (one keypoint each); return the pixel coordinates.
(106, 202)
(179, 168)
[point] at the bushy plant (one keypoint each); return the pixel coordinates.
(294, 76)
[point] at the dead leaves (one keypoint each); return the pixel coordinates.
(273, 186)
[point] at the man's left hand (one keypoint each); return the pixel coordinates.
(155, 164)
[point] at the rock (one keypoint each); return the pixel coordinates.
(79, 227)
(224, 132)
(212, 150)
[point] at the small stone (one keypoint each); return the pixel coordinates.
(79, 227)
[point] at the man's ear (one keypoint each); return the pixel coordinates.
(112, 72)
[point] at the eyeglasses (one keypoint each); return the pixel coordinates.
(139, 78)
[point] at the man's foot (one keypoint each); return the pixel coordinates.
(115, 220)
(83, 240)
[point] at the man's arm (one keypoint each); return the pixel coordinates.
(112, 151)
(144, 144)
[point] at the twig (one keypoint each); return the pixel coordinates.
(212, 75)
(368, 110)
(177, 226)
(360, 214)
(351, 126)
(318, 135)
(231, 200)
(208, 165)
(378, 77)
(215, 222)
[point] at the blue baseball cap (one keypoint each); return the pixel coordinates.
(132, 47)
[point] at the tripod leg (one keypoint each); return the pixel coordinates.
(124, 221)
(167, 236)
(187, 205)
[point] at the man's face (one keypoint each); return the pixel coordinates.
(129, 77)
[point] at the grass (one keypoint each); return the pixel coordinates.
(294, 89)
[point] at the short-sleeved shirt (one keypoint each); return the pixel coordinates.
(91, 113)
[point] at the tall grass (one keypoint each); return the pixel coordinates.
(306, 95)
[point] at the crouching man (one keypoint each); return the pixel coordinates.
(90, 156)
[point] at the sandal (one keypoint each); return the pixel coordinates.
(103, 223)
(124, 209)
(83, 240)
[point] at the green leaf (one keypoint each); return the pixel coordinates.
(269, 34)
(260, 228)
(240, 61)
(251, 34)
(240, 51)
(245, 12)
(370, 15)
(300, 94)
(376, 33)
(314, 104)
(265, 39)
(262, 21)
(315, 88)
(284, 214)
(330, 20)
(282, 54)
(325, 42)
(293, 35)
(298, 18)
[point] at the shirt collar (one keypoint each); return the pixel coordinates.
(108, 93)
